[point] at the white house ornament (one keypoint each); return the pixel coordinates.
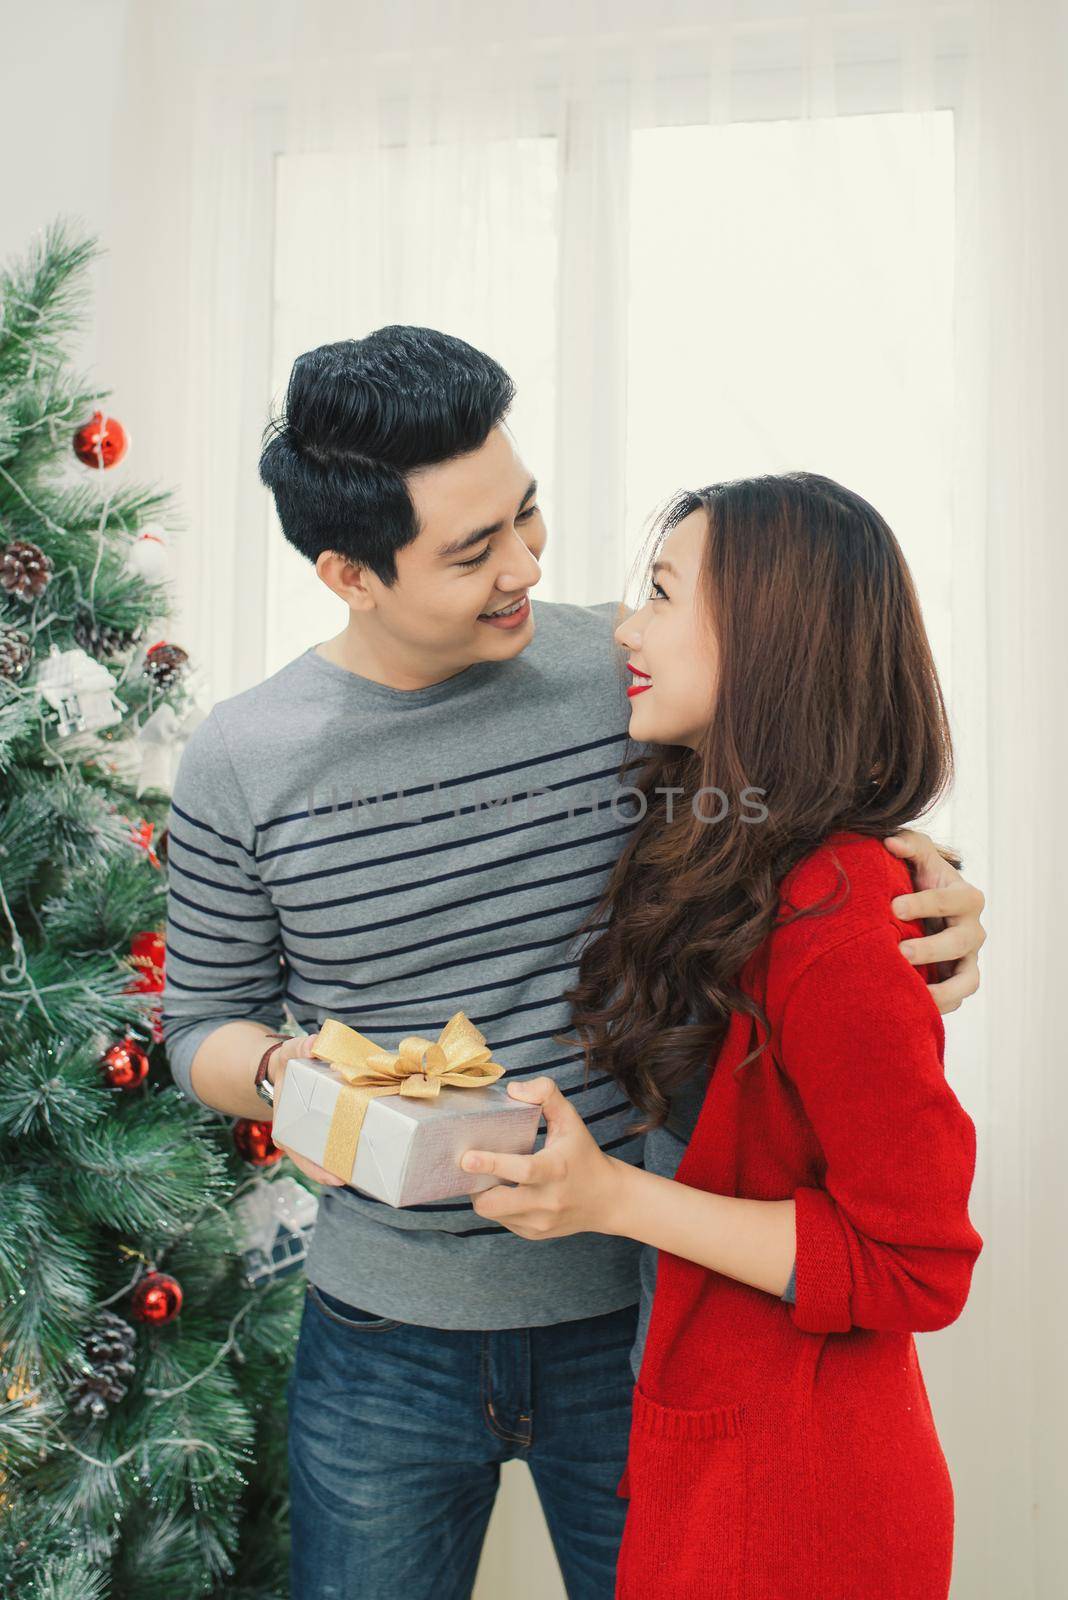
(80, 691)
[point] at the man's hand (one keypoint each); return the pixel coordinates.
(569, 1186)
(942, 896)
(301, 1045)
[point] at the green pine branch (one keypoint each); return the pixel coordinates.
(74, 997)
(146, 1170)
(178, 1488)
(104, 902)
(51, 1090)
(46, 1277)
(42, 302)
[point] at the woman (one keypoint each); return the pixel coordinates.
(782, 1445)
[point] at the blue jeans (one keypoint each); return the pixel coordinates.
(397, 1434)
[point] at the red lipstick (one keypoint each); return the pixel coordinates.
(644, 681)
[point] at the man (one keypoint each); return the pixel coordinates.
(411, 819)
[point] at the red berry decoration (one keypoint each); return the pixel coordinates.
(148, 953)
(125, 1065)
(155, 1021)
(100, 442)
(141, 834)
(157, 1298)
(254, 1144)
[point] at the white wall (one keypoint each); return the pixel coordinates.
(59, 90)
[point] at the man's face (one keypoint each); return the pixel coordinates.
(480, 536)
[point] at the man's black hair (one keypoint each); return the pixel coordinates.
(358, 416)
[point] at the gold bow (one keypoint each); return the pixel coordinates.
(418, 1069)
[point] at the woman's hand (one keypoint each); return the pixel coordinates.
(301, 1045)
(569, 1186)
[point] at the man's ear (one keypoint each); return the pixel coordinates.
(347, 579)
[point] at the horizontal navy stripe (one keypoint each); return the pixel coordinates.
(609, 1111)
(587, 1088)
(441, 966)
(454, 994)
(234, 989)
(212, 883)
(527, 1038)
(173, 951)
(477, 841)
(194, 850)
(224, 838)
(448, 783)
(440, 912)
(496, 864)
(481, 1019)
(546, 1066)
(208, 911)
(628, 1138)
(489, 808)
(222, 938)
(294, 955)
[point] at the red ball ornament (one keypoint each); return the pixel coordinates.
(157, 1298)
(100, 442)
(254, 1144)
(125, 1065)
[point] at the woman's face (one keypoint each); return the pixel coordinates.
(670, 645)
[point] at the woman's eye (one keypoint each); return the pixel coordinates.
(658, 593)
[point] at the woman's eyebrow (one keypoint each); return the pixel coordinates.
(466, 540)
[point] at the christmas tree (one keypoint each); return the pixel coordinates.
(143, 1344)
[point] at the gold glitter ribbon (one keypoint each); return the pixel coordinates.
(418, 1069)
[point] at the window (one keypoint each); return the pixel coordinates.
(791, 307)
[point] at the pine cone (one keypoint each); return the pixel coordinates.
(100, 639)
(25, 570)
(16, 653)
(164, 663)
(108, 1367)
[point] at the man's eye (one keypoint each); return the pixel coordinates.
(525, 516)
(476, 561)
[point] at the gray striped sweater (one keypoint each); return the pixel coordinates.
(340, 848)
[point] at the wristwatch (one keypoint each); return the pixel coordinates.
(261, 1082)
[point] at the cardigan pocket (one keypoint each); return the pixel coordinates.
(686, 1524)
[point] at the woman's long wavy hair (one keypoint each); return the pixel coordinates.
(827, 700)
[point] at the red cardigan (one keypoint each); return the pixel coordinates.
(786, 1452)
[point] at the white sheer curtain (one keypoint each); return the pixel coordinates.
(454, 143)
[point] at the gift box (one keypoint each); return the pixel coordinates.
(394, 1124)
